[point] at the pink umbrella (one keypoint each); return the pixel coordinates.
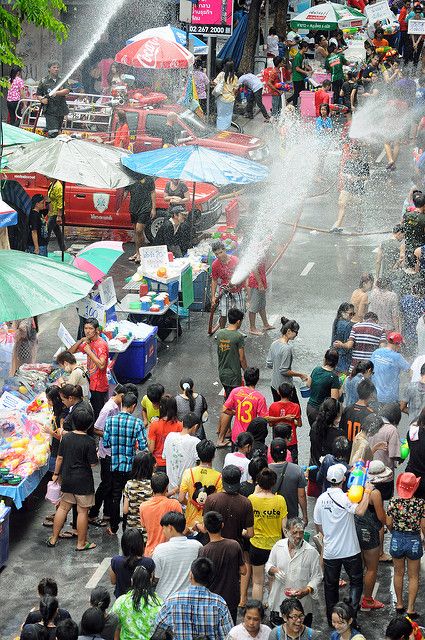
(97, 258)
(155, 53)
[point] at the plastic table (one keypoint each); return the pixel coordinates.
(25, 488)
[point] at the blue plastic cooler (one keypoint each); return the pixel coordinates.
(134, 364)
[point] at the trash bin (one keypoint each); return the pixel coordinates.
(4, 536)
(134, 364)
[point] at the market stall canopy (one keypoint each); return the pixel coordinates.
(328, 15)
(31, 285)
(15, 135)
(73, 160)
(97, 258)
(173, 34)
(155, 53)
(198, 164)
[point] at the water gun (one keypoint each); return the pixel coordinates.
(357, 481)
(307, 469)
(35, 405)
(283, 86)
(404, 449)
(338, 108)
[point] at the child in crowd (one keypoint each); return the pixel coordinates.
(285, 411)
(150, 403)
(243, 446)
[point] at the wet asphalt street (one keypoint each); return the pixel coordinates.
(317, 272)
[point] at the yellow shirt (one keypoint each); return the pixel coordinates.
(268, 516)
(151, 410)
(55, 194)
(209, 480)
(228, 94)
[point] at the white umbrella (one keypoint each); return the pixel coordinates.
(72, 160)
(328, 15)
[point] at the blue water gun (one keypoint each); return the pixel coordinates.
(357, 481)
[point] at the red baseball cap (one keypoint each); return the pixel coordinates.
(395, 338)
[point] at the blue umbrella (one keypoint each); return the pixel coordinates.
(233, 49)
(173, 34)
(197, 164)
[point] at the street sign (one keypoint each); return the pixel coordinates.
(212, 18)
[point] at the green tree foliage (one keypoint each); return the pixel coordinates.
(42, 13)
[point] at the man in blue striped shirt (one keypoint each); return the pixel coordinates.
(121, 433)
(196, 612)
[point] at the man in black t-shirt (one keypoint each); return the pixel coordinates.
(174, 232)
(39, 235)
(54, 103)
(142, 209)
(354, 415)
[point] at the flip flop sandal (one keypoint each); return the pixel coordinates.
(51, 544)
(65, 535)
(400, 610)
(414, 615)
(87, 547)
(98, 522)
(47, 523)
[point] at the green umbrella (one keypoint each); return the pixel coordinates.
(15, 135)
(328, 16)
(31, 285)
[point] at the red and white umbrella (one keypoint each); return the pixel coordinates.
(155, 53)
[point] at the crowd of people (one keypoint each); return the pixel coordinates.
(227, 554)
(230, 554)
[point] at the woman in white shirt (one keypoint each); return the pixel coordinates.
(251, 627)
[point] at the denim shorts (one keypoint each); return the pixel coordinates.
(406, 544)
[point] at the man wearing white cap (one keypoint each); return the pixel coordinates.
(334, 518)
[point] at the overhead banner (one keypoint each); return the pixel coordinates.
(212, 18)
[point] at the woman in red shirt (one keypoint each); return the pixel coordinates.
(122, 134)
(159, 429)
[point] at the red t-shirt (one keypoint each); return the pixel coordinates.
(224, 272)
(252, 281)
(98, 377)
(321, 97)
(122, 136)
(281, 409)
(158, 431)
(247, 404)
